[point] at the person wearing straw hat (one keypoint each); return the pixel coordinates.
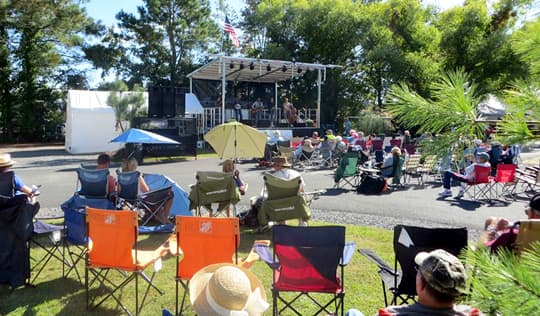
(282, 169)
(226, 289)
(5, 165)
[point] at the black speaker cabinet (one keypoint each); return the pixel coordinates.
(155, 107)
(168, 100)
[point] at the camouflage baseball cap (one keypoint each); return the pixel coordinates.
(443, 271)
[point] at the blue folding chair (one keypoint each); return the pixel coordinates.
(75, 241)
(92, 183)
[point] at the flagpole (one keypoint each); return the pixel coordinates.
(222, 9)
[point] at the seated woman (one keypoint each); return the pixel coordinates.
(130, 164)
(228, 166)
(304, 151)
(387, 168)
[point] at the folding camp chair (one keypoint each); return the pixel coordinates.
(214, 187)
(408, 242)
(113, 235)
(428, 167)
(395, 142)
(413, 169)
(201, 241)
(481, 183)
(410, 149)
(529, 181)
(377, 145)
(16, 231)
(154, 205)
(41, 234)
(48, 237)
(127, 191)
(397, 172)
(347, 171)
(93, 183)
(505, 179)
(74, 239)
(529, 232)
(282, 201)
(304, 262)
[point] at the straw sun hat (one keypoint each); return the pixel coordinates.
(226, 289)
(5, 160)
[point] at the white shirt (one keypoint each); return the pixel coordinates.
(288, 174)
(469, 171)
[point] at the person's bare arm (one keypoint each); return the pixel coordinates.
(144, 187)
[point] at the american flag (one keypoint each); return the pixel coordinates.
(228, 28)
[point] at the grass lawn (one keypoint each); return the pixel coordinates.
(54, 295)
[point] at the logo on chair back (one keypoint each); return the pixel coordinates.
(214, 178)
(216, 192)
(287, 208)
(205, 227)
(110, 219)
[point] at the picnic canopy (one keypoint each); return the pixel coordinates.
(241, 69)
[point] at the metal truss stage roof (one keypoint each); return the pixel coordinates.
(254, 69)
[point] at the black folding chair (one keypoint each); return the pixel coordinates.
(408, 242)
(127, 192)
(153, 204)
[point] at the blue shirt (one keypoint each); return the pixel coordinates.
(18, 183)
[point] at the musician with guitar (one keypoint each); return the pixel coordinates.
(290, 112)
(256, 109)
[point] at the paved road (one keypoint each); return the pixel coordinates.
(54, 169)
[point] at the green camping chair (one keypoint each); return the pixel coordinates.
(347, 171)
(214, 187)
(398, 172)
(282, 201)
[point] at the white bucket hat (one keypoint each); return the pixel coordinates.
(225, 289)
(5, 160)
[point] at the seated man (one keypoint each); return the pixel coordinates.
(265, 207)
(440, 280)
(483, 161)
(104, 162)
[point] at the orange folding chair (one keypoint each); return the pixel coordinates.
(202, 241)
(112, 238)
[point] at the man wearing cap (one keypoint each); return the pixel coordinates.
(440, 280)
(5, 165)
(483, 161)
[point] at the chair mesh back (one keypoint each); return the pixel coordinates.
(377, 144)
(410, 240)
(112, 235)
(278, 188)
(204, 241)
(215, 187)
(395, 142)
(93, 182)
(128, 184)
(75, 223)
(505, 173)
(7, 184)
(309, 257)
(481, 174)
(529, 232)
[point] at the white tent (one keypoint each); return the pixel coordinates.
(491, 107)
(90, 122)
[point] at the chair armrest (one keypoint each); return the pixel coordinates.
(266, 255)
(381, 264)
(348, 252)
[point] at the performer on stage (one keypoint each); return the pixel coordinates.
(289, 111)
(238, 109)
(256, 109)
(271, 111)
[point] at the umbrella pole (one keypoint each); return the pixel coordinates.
(235, 158)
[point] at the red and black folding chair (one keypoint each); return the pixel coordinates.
(308, 260)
